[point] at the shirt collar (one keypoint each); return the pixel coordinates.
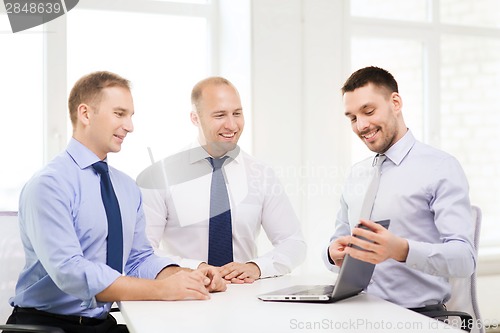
(400, 149)
(198, 153)
(82, 156)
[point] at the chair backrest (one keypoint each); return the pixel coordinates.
(463, 290)
(11, 260)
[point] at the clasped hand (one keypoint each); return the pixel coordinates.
(185, 283)
(235, 272)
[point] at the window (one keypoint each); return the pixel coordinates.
(469, 119)
(162, 47)
(478, 13)
(414, 10)
(162, 69)
(21, 105)
(448, 70)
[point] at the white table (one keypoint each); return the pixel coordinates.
(239, 310)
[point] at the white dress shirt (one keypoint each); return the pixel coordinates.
(424, 192)
(176, 193)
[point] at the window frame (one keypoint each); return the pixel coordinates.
(55, 57)
(429, 33)
(55, 125)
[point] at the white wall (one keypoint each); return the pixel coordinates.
(296, 75)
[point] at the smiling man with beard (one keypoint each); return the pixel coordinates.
(422, 190)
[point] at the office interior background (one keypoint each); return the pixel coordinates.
(288, 58)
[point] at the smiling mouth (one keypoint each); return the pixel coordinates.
(370, 135)
(120, 137)
(228, 135)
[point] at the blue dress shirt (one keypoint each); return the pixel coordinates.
(425, 194)
(63, 230)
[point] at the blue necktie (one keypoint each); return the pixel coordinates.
(220, 239)
(114, 256)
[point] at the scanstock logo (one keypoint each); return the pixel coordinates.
(25, 14)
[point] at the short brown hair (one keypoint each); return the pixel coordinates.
(88, 90)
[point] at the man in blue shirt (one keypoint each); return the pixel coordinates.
(422, 190)
(66, 282)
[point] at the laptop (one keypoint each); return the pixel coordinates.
(353, 278)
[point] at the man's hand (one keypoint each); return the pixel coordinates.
(209, 276)
(336, 250)
(172, 283)
(236, 272)
(381, 245)
(217, 283)
(185, 284)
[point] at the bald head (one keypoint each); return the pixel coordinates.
(213, 81)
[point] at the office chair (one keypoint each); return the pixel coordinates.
(30, 328)
(463, 302)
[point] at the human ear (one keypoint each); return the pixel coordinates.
(396, 101)
(195, 118)
(83, 113)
